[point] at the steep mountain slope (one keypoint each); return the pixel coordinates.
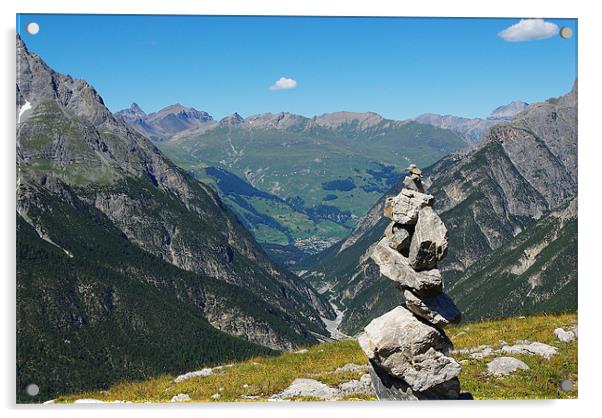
(331, 168)
(534, 272)
(472, 129)
(168, 121)
(523, 169)
(122, 215)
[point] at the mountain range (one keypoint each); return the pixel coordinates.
(472, 129)
(347, 160)
(522, 170)
(124, 259)
(168, 121)
(308, 180)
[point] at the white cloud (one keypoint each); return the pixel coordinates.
(529, 30)
(284, 83)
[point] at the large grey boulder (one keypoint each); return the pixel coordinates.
(409, 349)
(398, 237)
(404, 207)
(503, 366)
(395, 266)
(390, 388)
(439, 310)
(429, 242)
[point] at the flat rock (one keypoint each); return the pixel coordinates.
(429, 242)
(503, 366)
(413, 183)
(398, 237)
(191, 375)
(564, 336)
(409, 349)
(534, 348)
(363, 386)
(404, 207)
(180, 397)
(395, 266)
(308, 388)
(439, 310)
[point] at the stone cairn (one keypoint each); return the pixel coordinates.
(407, 348)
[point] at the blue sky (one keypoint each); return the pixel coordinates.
(398, 67)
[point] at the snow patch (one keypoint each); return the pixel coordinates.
(23, 109)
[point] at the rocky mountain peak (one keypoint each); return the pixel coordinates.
(166, 122)
(179, 111)
(137, 109)
(132, 114)
(232, 120)
(37, 83)
(508, 111)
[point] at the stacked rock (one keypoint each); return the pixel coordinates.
(407, 348)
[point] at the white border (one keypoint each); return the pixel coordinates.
(590, 205)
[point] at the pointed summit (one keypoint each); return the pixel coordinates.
(232, 120)
(135, 108)
(37, 83)
(166, 122)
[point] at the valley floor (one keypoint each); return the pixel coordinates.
(337, 371)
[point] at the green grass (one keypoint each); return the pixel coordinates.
(543, 378)
(264, 376)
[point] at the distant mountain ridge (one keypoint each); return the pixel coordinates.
(166, 122)
(472, 129)
(175, 119)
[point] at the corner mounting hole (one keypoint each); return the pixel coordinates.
(32, 389)
(32, 28)
(566, 33)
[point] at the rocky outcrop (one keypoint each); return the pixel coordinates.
(407, 348)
